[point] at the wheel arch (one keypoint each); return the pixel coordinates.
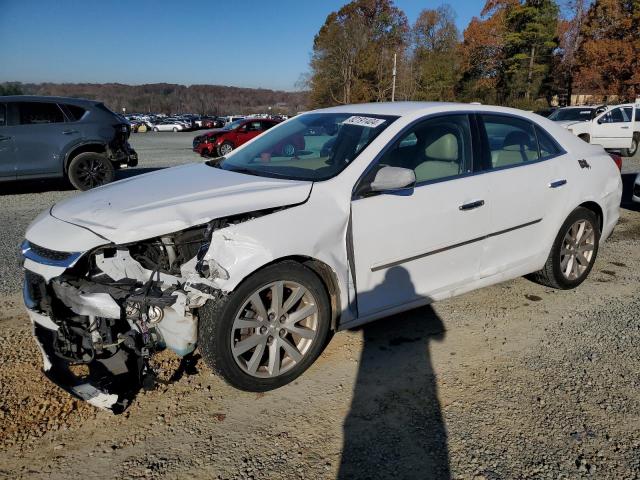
(93, 147)
(327, 276)
(597, 209)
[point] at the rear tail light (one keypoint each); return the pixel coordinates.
(617, 159)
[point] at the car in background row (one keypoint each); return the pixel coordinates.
(169, 126)
(613, 127)
(46, 137)
(221, 142)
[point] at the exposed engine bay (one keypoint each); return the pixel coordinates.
(119, 304)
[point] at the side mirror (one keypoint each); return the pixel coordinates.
(392, 178)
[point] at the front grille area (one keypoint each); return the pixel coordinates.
(49, 254)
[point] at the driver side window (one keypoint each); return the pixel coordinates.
(436, 148)
(617, 115)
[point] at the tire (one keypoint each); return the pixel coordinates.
(225, 149)
(288, 150)
(156, 129)
(553, 274)
(175, 130)
(218, 329)
(89, 170)
(630, 152)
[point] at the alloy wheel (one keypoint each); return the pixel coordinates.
(92, 173)
(288, 150)
(225, 149)
(577, 249)
(274, 329)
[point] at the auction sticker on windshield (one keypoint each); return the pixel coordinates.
(364, 121)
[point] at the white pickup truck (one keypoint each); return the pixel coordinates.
(614, 127)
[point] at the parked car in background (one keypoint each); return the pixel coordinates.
(43, 137)
(569, 115)
(255, 259)
(546, 112)
(222, 141)
(609, 126)
(629, 108)
(169, 126)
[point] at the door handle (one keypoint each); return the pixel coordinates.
(624, 128)
(557, 183)
(471, 205)
(69, 132)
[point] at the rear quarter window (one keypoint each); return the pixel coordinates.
(75, 112)
(548, 146)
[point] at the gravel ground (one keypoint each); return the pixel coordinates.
(508, 382)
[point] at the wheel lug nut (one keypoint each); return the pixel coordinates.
(263, 330)
(282, 332)
(283, 318)
(271, 316)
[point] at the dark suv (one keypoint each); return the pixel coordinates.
(43, 137)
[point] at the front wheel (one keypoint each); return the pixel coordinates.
(573, 253)
(269, 331)
(156, 129)
(225, 149)
(175, 129)
(89, 170)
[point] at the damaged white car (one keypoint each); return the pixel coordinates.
(256, 258)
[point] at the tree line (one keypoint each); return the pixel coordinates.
(170, 98)
(521, 53)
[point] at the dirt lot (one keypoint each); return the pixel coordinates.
(513, 381)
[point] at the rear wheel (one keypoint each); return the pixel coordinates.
(630, 152)
(175, 129)
(89, 170)
(573, 253)
(156, 129)
(269, 331)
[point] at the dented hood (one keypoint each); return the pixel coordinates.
(169, 200)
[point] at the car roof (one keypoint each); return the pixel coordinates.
(44, 98)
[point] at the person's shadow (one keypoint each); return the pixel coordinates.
(394, 428)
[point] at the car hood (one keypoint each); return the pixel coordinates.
(172, 199)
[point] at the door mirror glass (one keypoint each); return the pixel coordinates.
(392, 178)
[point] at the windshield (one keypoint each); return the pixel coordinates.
(578, 114)
(232, 125)
(314, 146)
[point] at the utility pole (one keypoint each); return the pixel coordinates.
(393, 85)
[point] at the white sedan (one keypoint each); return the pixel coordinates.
(257, 257)
(169, 126)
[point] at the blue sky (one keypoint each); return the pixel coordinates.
(248, 43)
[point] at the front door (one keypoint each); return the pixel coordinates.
(613, 129)
(411, 245)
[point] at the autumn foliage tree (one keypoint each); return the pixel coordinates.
(608, 61)
(353, 53)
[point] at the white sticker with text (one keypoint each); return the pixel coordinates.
(364, 121)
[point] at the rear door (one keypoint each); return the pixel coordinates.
(40, 135)
(613, 129)
(7, 156)
(525, 184)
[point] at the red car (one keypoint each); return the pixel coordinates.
(222, 141)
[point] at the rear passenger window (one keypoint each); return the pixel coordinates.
(511, 141)
(434, 149)
(548, 147)
(617, 115)
(31, 113)
(3, 114)
(76, 112)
